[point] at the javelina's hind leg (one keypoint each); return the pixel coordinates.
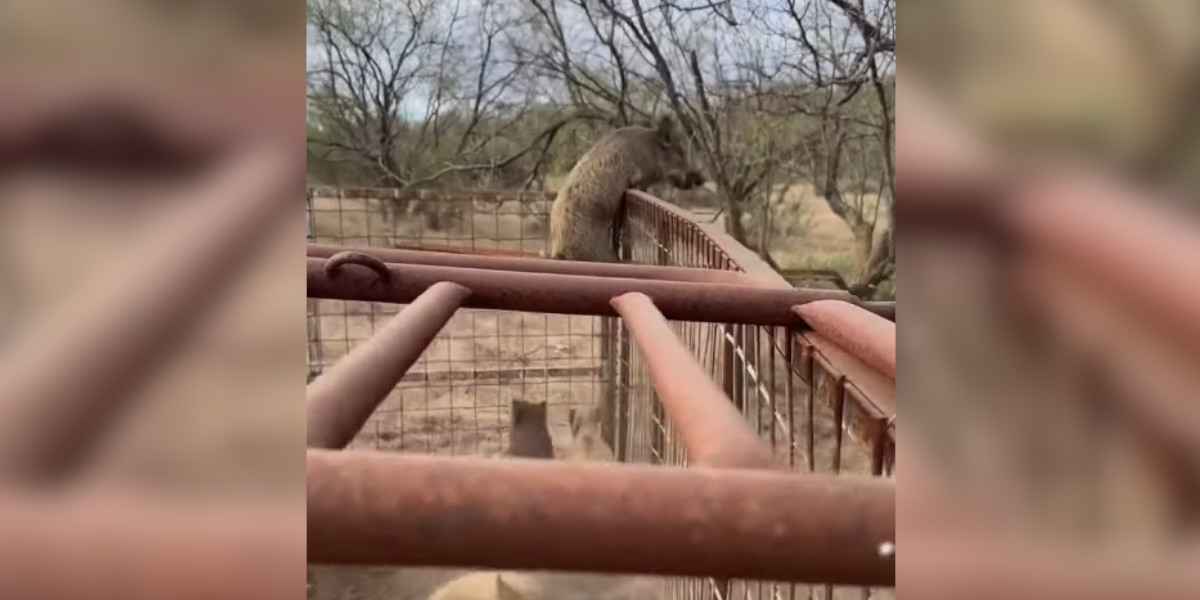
(618, 229)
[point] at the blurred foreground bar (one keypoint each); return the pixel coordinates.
(103, 545)
(392, 509)
(84, 363)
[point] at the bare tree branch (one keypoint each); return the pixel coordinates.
(548, 134)
(879, 41)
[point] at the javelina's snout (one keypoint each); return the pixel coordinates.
(686, 180)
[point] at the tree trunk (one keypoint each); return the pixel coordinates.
(864, 242)
(733, 221)
(736, 230)
(879, 266)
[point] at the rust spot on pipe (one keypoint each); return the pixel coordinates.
(869, 337)
(342, 399)
(353, 257)
(713, 430)
(394, 509)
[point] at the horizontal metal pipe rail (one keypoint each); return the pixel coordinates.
(713, 430)
(341, 400)
(542, 265)
(387, 508)
(867, 336)
(568, 294)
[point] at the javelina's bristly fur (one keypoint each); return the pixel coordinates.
(583, 218)
(587, 443)
(530, 436)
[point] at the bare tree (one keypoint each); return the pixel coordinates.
(844, 47)
(372, 59)
(417, 91)
(880, 37)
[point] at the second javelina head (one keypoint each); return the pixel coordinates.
(530, 436)
(587, 441)
(528, 413)
(673, 155)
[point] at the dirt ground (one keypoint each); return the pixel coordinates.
(457, 398)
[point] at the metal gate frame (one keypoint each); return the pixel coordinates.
(441, 511)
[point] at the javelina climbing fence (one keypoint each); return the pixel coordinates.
(818, 399)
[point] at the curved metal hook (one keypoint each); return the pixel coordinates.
(335, 263)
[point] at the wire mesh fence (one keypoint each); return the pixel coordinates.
(457, 399)
(817, 407)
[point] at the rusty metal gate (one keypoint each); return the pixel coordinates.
(748, 373)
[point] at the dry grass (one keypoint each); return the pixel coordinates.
(806, 232)
(826, 241)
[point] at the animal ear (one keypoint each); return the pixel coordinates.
(667, 128)
(505, 591)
